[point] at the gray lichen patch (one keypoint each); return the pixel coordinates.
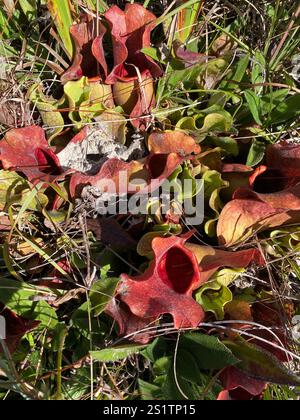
(101, 143)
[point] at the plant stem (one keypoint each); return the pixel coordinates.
(62, 338)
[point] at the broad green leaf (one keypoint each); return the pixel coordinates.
(228, 145)
(258, 71)
(116, 353)
(187, 367)
(81, 320)
(208, 351)
(27, 301)
(186, 77)
(104, 271)
(286, 110)
(253, 101)
(260, 364)
(256, 153)
(162, 365)
(272, 100)
(238, 73)
(169, 386)
(155, 350)
(60, 11)
(152, 53)
(231, 82)
(201, 76)
(76, 387)
(149, 391)
(101, 293)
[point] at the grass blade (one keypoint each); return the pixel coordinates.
(60, 11)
